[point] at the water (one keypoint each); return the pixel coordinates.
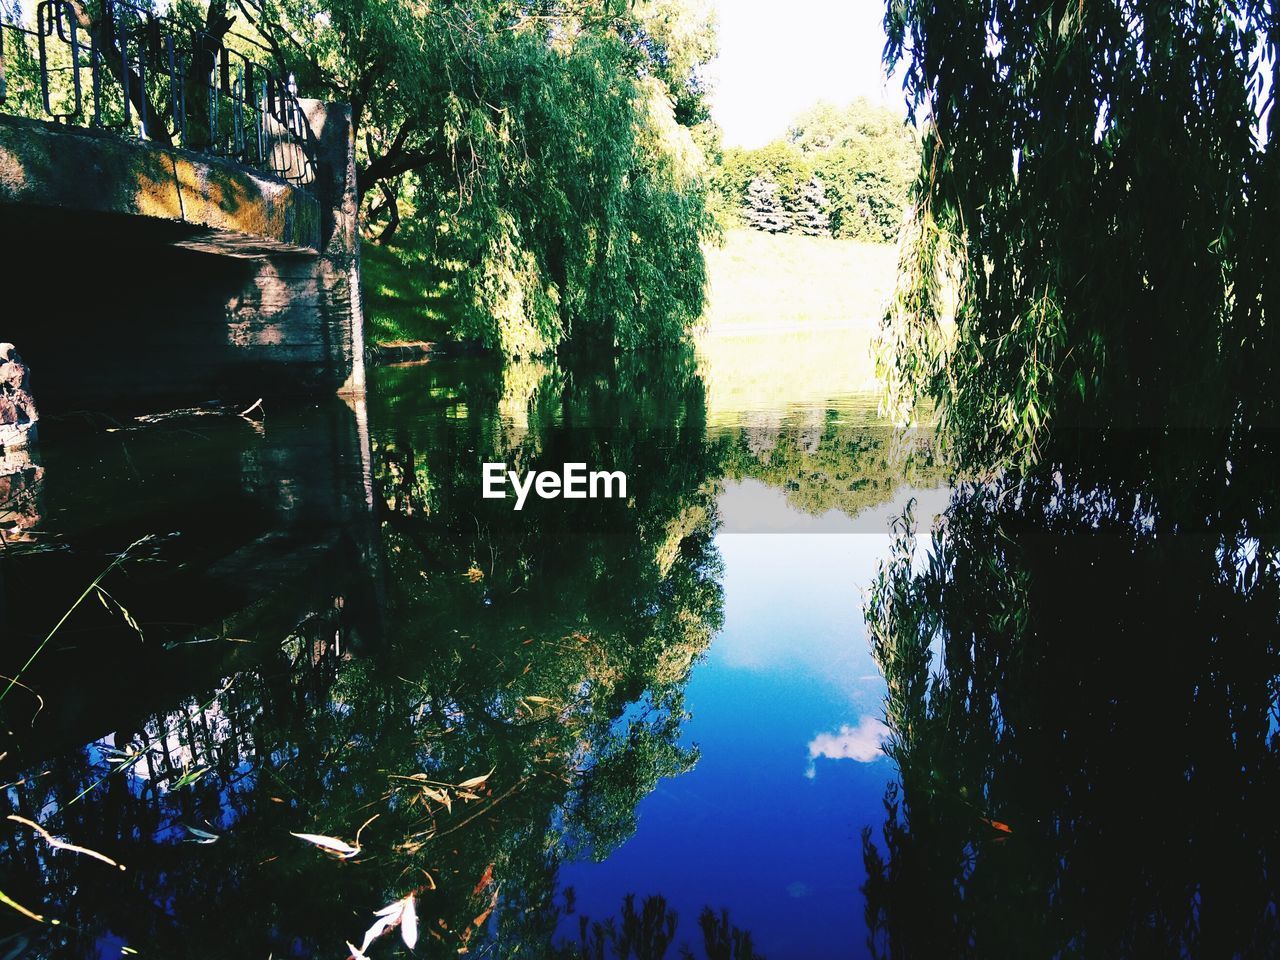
(318, 626)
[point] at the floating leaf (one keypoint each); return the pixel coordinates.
(476, 781)
(486, 878)
(401, 914)
(409, 923)
(13, 904)
(62, 844)
(331, 845)
(200, 836)
(189, 777)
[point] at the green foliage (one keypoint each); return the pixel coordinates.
(763, 208)
(541, 157)
(860, 157)
(822, 462)
(1084, 653)
(1091, 243)
(407, 296)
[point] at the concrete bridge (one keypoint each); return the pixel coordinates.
(174, 221)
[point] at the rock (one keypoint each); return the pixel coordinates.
(17, 406)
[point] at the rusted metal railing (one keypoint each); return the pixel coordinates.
(143, 74)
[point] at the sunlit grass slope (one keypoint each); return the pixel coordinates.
(406, 297)
(791, 319)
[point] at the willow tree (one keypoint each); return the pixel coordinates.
(539, 154)
(1090, 242)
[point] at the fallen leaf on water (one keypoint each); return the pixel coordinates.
(189, 777)
(62, 844)
(200, 836)
(331, 845)
(476, 781)
(409, 923)
(403, 914)
(485, 879)
(10, 902)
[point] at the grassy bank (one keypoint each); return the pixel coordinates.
(791, 320)
(783, 287)
(764, 282)
(407, 298)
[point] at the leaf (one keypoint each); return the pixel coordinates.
(409, 923)
(13, 904)
(439, 796)
(200, 836)
(189, 777)
(330, 845)
(486, 878)
(401, 913)
(62, 844)
(476, 781)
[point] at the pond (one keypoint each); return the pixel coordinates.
(278, 671)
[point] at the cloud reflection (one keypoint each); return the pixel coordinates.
(861, 743)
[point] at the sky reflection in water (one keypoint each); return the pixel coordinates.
(786, 709)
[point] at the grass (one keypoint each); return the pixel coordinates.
(770, 283)
(406, 296)
(791, 320)
(761, 285)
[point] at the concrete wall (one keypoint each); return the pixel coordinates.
(135, 272)
(199, 201)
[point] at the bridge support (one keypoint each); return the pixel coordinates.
(291, 297)
(137, 270)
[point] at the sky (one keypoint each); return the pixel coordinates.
(777, 59)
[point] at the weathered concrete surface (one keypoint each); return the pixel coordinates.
(213, 204)
(148, 272)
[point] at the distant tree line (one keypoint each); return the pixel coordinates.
(839, 171)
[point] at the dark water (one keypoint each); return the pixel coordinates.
(569, 730)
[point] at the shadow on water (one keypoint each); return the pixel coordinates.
(1082, 676)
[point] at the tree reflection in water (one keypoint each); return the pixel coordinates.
(522, 691)
(1082, 693)
(459, 699)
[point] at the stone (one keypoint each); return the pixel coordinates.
(17, 406)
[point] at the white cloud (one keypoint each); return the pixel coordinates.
(862, 743)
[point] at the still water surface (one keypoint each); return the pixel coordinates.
(617, 728)
(318, 624)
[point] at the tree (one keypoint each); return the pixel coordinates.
(541, 155)
(764, 210)
(813, 220)
(863, 155)
(1092, 227)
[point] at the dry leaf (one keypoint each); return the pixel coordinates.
(476, 781)
(331, 845)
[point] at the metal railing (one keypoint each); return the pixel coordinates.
(144, 74)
